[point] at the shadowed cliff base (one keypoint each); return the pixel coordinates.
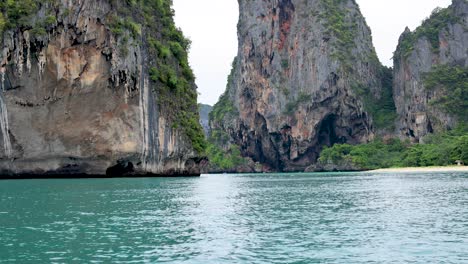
(90, 168)
(45, 176)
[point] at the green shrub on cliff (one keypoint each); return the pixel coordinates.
(18, 12)
(169, 70)
(430, 29)
(382, 110)
(338, 25)
(223, 160)
(221, 154)
(302, 98)
(50, 20)
(453, 82)
(2, 23)
(225, 106)
(133, 23)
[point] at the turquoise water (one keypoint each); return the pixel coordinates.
(265, 218)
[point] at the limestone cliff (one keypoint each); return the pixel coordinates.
(205, 111)
(431, 75)
(306, 76)
(95, 87)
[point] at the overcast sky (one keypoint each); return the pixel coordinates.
(212, 25)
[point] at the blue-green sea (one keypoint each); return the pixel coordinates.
(259, 218)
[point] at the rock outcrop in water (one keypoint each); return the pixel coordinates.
(96, 87)
(306, 76)
(431, 76)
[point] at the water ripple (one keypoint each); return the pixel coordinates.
(269, 218)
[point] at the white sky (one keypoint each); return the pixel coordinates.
(212, 26)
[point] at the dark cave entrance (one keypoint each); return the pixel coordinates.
(121, 169)
(327, 133)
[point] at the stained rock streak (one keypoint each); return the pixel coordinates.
(297, 83)
(79, 99)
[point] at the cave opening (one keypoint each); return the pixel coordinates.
(327, 133)
(121, 169)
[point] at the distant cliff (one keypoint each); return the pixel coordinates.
(306, 77)
(205, 111)
(96, 87)
(431, 76)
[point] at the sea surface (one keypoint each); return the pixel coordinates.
(260, 218)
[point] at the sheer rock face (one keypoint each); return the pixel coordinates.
(416, 116)
(205, 110)
(73, 103)
(295, 80)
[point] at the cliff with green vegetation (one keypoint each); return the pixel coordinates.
(224, 156)
(431, 97)
(431, 76)
(95, 88)
(307, 91)
(306, 77)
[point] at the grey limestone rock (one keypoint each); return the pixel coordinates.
(74, 102)
(299, 81)
(416, 55)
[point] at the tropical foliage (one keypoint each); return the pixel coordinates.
(438, 150)
(147, 23)
(430, 29)
(453, 82)
(169, 70)
(382, 110)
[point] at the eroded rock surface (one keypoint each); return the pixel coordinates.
(79, 98)
(304, 78)
(441, 40)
